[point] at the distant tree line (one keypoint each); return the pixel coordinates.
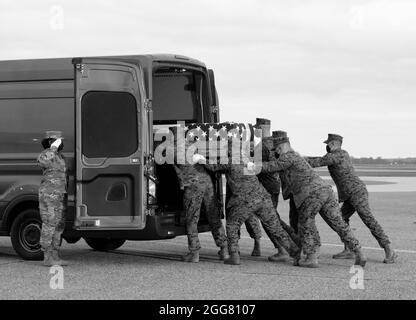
(380, 160)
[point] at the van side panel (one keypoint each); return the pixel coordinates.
(27, 109)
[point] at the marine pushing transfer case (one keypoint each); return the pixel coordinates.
(108, 109)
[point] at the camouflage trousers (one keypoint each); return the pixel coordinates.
(254, 229)
(323, 202)
(52, 213)
(253, 224)
(261, 207)
(194, 196)
(359, 203)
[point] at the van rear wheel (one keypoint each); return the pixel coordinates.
(25, 235)
(104, 244)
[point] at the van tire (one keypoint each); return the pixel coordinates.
(104, 244)
(25, 234)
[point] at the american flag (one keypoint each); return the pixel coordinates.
(222, 131)
(211, 139)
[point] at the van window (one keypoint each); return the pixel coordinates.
(23, 123)
(179, 95)
(109, 124)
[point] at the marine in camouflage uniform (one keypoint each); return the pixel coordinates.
(272, 183)
(52, 193)
(252, 225)
(199, 189)
(250, 197)
(311, 196)
(352, 192)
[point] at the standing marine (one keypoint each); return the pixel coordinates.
(352, 192)
(52, 191)
(286, 193)
(311, 196)
(249, 197)
(270, 182)
(199, 189)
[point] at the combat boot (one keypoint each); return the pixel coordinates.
(311, 261)
(296, 258)
(345, 254)
(256, 250)
(48, 258)
(57, 259)
(360, 259)
(233, 259)
(391, 255)
(281, 256)
(192, 256)
(223, 253)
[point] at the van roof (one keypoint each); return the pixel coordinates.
(62, 68)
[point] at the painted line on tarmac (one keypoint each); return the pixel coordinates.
(369, 248)
(324, 244)
(341, 245)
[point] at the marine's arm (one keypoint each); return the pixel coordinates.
(327, 160)
(47, 157)
(280, 164)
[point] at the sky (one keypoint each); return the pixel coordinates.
(312, 67)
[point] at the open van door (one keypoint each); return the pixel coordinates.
(110, 141)
(214, 97)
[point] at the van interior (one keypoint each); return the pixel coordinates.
(178, 95)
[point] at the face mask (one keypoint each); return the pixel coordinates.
(328, 149)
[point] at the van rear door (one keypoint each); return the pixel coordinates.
(110, 135)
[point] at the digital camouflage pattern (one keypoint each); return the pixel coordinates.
(53, 168)
(298, 177)
(198, 190)
(52, 213)
(253, 227)
(270, 181)
(287, 195)
(52, 191)
(325, 203)
(342, 171)
(351, 191)
(252, 223)
(249, 197)
(359, 202)
(311, 194)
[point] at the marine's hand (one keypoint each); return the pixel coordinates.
(251, 166)
(56, 143)
(197, 158)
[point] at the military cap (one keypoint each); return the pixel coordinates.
(279, 137)
(332, 137)
(262, 121)
(53, 135)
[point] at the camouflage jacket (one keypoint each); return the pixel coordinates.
(243, 187)
(342, 172)
(54, 171)
(191, 174)
(299, 178)
(269, 180)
